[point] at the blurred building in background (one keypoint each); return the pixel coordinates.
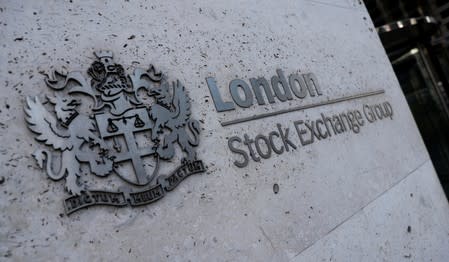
(415, 34)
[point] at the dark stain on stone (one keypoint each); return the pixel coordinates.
(276, 188)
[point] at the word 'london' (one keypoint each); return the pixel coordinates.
(307, 131)
(298, 85)
(102, 140)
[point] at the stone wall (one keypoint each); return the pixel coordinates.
(367, 193)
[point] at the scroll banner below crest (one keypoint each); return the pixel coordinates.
(139, 198)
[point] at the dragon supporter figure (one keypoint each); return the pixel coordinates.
(76, 131)
(173, 113)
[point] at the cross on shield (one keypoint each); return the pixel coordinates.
(126, 126)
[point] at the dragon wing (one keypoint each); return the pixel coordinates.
(58, 80)
(41, 122)
(181, 102)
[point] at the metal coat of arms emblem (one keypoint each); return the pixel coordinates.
(111, 124)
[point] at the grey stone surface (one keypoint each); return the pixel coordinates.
(406, 223)
(229, 213)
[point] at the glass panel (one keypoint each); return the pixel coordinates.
(427, 108)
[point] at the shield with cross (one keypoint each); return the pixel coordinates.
(122, 131)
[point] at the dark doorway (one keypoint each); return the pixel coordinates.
(415, 34)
